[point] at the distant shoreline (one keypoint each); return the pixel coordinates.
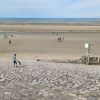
(58, 23)
(49, 28)
(51, 21)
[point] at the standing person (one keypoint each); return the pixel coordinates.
(9, 41)
(14, 60)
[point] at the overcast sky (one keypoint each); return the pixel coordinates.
(50, 8)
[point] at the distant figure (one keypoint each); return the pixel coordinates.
(12, 35)
(14, 60)
(59, 39)
(38, 59)
(9, 41)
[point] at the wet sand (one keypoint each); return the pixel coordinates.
(47, 27)
(39, 41)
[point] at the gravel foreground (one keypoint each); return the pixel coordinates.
(39, 80)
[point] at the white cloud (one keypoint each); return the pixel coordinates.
(49, 8)
(85, 4)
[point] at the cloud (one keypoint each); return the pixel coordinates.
(85, 4)
(49, 8)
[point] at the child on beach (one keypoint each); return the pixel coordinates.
(14, 60)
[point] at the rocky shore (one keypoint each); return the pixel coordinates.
(39, 80)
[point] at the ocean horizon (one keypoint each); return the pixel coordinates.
(49, 20)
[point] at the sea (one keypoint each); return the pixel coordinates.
(95, 21)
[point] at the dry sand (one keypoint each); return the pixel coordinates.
(38, 41)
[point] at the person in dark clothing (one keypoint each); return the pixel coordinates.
(9, 41)
(14, 60)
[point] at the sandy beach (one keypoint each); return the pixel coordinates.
(39, 41)
(50, 50)
(48, 27)
(43, 80)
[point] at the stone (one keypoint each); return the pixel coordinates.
(49, 80)
(7, 95)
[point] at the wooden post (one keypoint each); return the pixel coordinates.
(87, 47)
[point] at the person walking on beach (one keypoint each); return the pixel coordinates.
(14, 60)
(9, 41)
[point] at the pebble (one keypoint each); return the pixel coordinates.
(47, 79)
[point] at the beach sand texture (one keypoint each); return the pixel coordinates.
(39, 80)
(42, 80)
(38, 41)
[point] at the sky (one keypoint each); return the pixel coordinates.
(49, 8)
